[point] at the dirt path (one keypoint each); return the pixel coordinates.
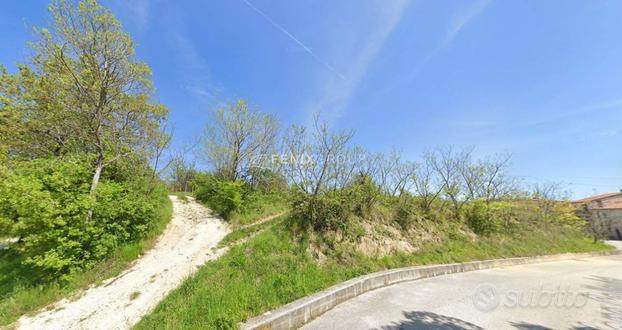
(262, 221)
(120, 302)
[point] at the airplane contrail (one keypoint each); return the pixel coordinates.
(293, 38)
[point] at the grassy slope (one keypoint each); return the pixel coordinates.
(272, 269)
(259, 207)
(20, 293)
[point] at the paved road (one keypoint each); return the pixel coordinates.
(572, 294)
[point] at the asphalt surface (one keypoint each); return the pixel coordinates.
(573, 294)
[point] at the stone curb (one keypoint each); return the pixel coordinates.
(299, 312)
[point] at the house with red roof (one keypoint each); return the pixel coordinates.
(604, 212)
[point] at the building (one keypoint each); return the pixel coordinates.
(604, 212)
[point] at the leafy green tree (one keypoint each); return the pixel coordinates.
(85, 91)
(236, 137)
(9, 119)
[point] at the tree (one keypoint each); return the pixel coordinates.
(10, 129)
(396, 174)
(99, 92)
(236, 137)
(319, 159)
(33, 122)
(547, 194)
(181, 174)
(447, 163)
(426, 184)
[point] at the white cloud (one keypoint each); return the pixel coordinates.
(460, 21)
(304, 47)
(192, 67)
(337, 93)
(615, 104)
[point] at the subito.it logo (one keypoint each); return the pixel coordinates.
(485, 298)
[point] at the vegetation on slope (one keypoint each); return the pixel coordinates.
(23, 290)
(79, 198)
(351, 212)
(79, 131)
(276, 267)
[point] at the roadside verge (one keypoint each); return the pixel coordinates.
(299, 312)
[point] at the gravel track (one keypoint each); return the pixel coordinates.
(120, 302)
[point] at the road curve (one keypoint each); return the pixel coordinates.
(120, 302)
(581, 293)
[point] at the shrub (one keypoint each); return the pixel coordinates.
(363, 196)
(44, 203)
(204, 186)
(224, 197)
(227, 197)
(404, 211)
(478, 217)
(327, 211)
(485, 218)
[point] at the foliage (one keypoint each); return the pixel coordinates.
(44, 203)
(181, 175)
(23, 290)
(267, 181)
(405, 212)
(328, 211)
(84, 91)
(479, 218)
(364, 194)
(224, 197)
(237, 201)
(237, 137)
(257, 205)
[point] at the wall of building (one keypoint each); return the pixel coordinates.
(607, 222)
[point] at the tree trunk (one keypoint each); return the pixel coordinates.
(98, 171)
(99, 166)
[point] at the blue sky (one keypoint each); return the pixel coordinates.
(540, 79)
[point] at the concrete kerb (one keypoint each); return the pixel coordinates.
(299, 312)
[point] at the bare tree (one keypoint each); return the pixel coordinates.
(426, 184)
(496, 183)
(314, 160)
(547, 194)
(395, 175)
(485, 179)
(345, 166)
(447, 163)
(368, 164)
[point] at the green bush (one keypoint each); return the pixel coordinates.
(404, 211)
(44, 203)
(227, 197)
(363, 195)
(224, 197)
(478, 217)
(328, 211)
(486, 218)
